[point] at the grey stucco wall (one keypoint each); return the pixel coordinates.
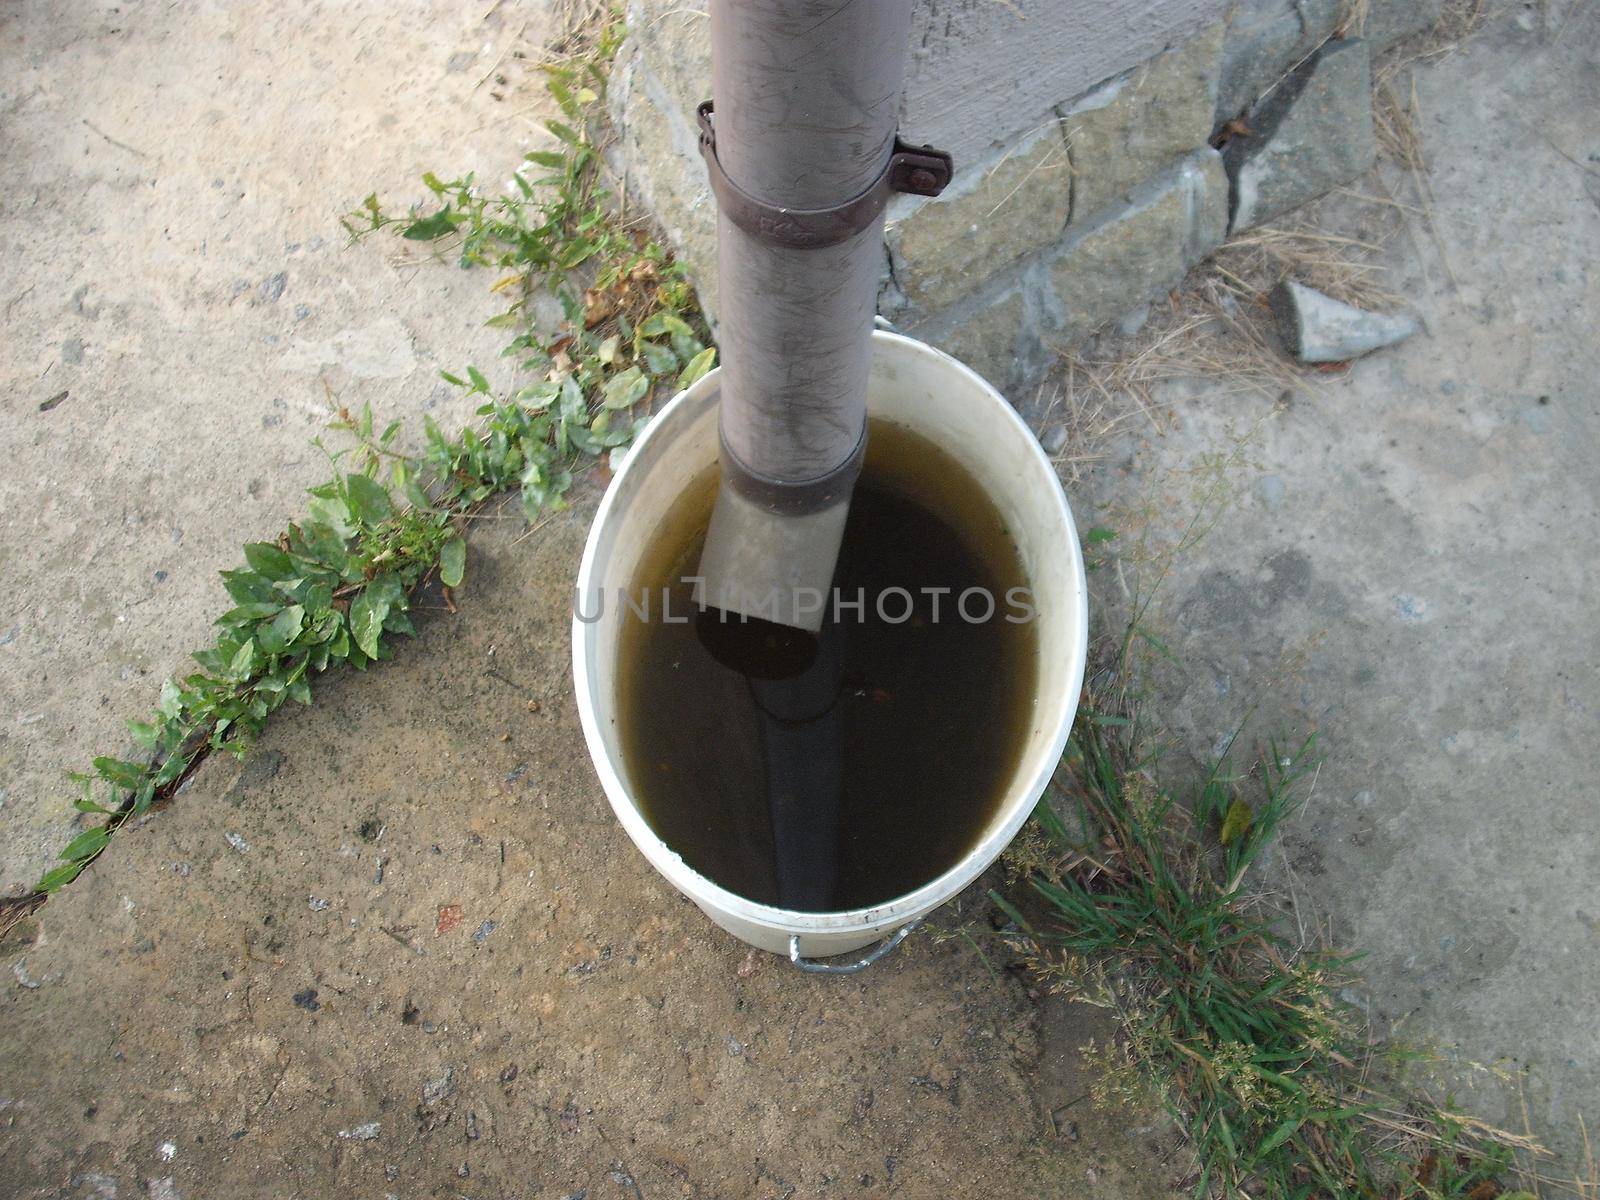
(984, 71)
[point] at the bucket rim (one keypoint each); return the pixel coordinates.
(942, 887)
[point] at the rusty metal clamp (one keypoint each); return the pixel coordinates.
(917, 170)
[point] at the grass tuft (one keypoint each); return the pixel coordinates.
(1223, 1012)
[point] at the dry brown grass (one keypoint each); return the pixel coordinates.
(1458, 21)
(1091, 400)
(16, 909)
(578, 24)
(1396, 107)
(1354, 21)
(1217, 328)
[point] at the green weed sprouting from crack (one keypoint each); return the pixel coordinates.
(336, 586)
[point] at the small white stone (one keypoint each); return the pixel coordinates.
(436, 1090)
(167, 1151)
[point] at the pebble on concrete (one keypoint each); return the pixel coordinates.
(1316, 328)
(436, 1090)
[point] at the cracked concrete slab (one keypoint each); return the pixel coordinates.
(182, 314)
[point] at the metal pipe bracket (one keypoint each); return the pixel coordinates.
(916, 170)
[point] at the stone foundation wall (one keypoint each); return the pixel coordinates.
(1087, 175)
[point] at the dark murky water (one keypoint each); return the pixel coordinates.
(845, 769)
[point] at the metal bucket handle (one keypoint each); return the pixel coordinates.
(818, 967)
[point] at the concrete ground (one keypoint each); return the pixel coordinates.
(429, 963)
(182, 313)
(406, 949)
(1408, 566)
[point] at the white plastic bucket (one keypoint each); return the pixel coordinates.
(934, 395)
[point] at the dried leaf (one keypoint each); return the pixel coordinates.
(1237, 822)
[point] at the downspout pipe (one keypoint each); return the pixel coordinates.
(803, 132)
